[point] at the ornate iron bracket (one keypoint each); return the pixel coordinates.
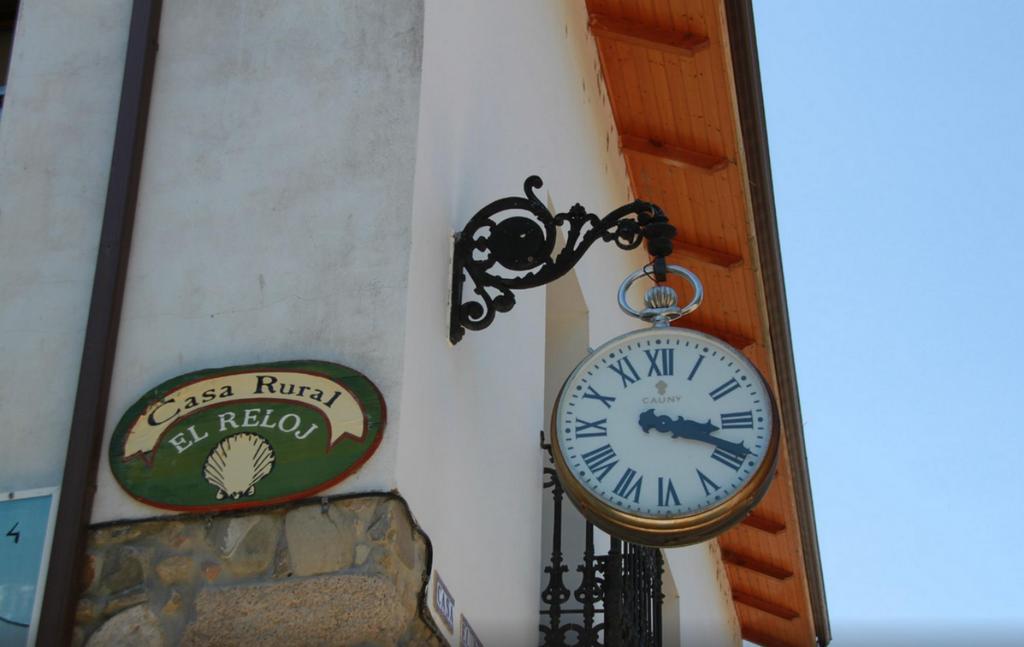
(502, 254)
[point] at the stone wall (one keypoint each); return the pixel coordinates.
(344, 571)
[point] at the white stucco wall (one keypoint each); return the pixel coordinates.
(509, 90)
(275, 201)
(706, 614)
(56, 138)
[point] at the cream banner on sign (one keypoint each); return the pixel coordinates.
(343, 413)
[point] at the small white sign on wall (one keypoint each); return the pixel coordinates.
(468, 636)
(444, 603)
(26, 531)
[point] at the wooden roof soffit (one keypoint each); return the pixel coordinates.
(706, 254)
(764, 524)
(734, 339)
(689, 112)
(756, 565)
(672, 155)
(650, 37)
(767, 606)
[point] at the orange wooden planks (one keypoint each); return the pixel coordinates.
(675, 109)
(668, 41)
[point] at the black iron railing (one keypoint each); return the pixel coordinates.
(618, 600)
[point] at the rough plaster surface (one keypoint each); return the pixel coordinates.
(706, 613)
(56, 136)
(275, 201)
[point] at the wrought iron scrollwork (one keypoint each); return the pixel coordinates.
(501, 253)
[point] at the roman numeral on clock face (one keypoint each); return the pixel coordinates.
(662, 361)
(666, 493)
(583, 425)
(725, 389)
(726, 457)
(705, 482)
(696, 365)
(592, 393)
(738, 420)
(626, 488)
(600, 461)
(626, 371)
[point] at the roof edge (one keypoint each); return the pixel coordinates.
(750, 102)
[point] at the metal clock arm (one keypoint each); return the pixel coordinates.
(691, 430)
(500, 253)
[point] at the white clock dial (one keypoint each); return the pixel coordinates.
(664, 423)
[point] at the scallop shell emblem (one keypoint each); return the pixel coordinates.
(237, 464)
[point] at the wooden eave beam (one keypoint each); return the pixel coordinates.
(625, 31)
(734, 339)
(706, 254)
(750, 600)
(764, 524)
(761, 638)
(756, 565)
(737, 340)
(675, 156)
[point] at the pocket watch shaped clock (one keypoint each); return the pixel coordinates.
(665, 436)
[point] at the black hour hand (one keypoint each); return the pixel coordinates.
(691, 429)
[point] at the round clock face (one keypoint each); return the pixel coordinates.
(665, 431)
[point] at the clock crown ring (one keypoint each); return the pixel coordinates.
(662, 304)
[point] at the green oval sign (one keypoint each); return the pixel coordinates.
(246, 436)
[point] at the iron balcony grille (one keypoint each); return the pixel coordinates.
(618, 602)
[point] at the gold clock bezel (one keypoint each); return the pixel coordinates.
(681, 530)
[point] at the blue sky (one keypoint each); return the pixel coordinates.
(897, 148)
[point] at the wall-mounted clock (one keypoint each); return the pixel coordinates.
(665, 436)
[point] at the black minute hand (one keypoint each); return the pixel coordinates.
(691, 429)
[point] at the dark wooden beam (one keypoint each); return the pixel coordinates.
(756, 565)
(751, 600)
(85, 440)
(706, 255)
(626, 31)
(675, 156)
(764, 524)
